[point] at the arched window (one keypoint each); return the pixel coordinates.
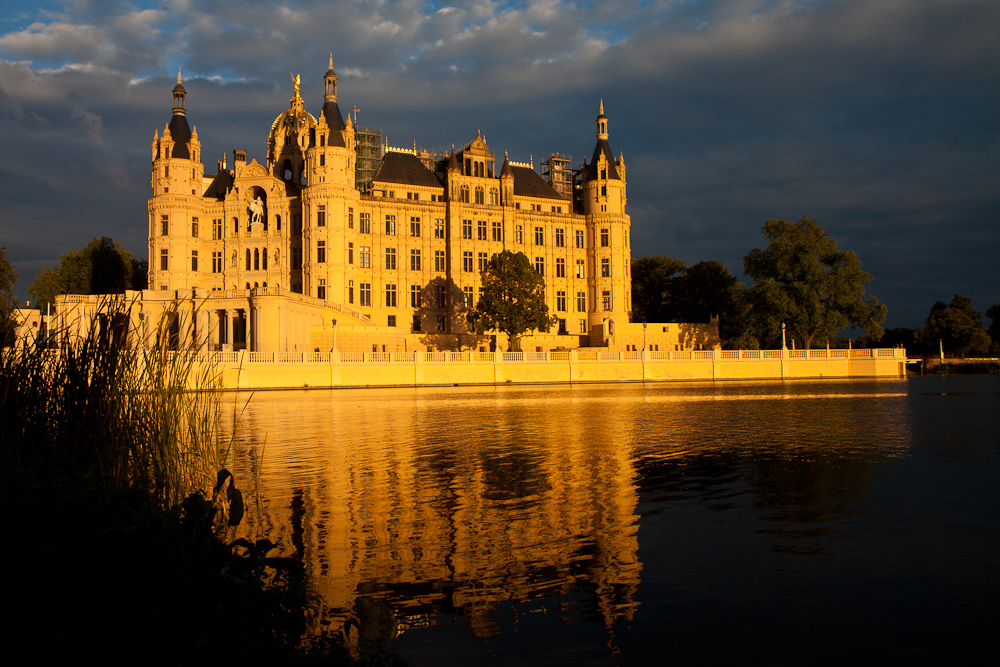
(277, 222)
(248, 263)
(463, 194)
(494, 197)
(264, 263)
(256, 259)
(479, 194)
(236, 226)
(286, 170)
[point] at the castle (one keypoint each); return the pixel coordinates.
(293, 256)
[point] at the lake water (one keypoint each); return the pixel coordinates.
(737, 523)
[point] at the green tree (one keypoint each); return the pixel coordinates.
(956, 326)
(709, 289)
(655, 282)
(103, 266)
(804, 281)
(8, 278)
(512, 301)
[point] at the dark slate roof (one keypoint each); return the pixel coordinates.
(221, 185)
(602, 147)
(181, 134)
(527, 183)
(335, 121)
(405, 168)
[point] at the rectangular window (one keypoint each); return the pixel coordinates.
(467, 260)
(581, 269)
(560, 267)
(194, 260)
(321, 289)
(350, 291)
(579, 238)
(414, 226)
(439, 229)
(606, 300)
(481, 230)
(350, 217)
(320, 252)
(194, 227)
(483, 260)
(164, 225)
(440, 296)
(467, 229)
(605, 238)
(321, 215)
(469, 295)
(296, 258)
(217, 229)
(390, 259)
(365, 223)
(540, 266)
(391, 320)
(217, 262)
(322, 157)
(581, 302)
(414, 296)
(296, 224)
(561, 301)
(539, 236)
(560, 238)
(390, 296)
(416, 322)
(605, 268)
(350, 253)
(497, 231)
(518, 235)
(415, 260)
(365, 257)
(439, 260)
(583, 326)
(390, 225)
(364, 294)
(440, 323)
(163, 259)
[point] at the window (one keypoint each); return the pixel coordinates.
(414, 260)
(321, 215)
(321, 289)
(390, 259)
(560, 238)
(365, 257)
(416, 323)
(390, 296)
(277, 222)
(414, 226)
(467, 260)
(539, 236)
(297, 258)
(583, 326)
(481, 230)
(605, 268)
(604, 193)
(350, 291)
(440, 323)
(579, 238)
(467, 229)
(296, 224)
(194, 260)
(439, 260)
(483, 261)
(256, 259)
(540, 266)
(414, 296)
(164, 225)
(350, 217)
(497, 231)
(194, 227)
(557, 209)
(581, 304)
(217, 262)
(217, 229)
(320, 252)
(606, 300)
(322, 157)
(391, 320)
(364, 294)
(561, 301)
(390, 225)
(163, 259)
(494, 197)
(469, 295)
(518, 235)
(440, 298)
(581, 270)
(365, 223)
(605, 238)
(249, 260)
(463, 194)
(480, 198)
(439, 229)
(264, 259)
(350, 253)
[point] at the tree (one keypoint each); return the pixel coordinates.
(655, 281)
(101, 267)
(804, 281)
(958, 327)
(512, 301)
(709, 289)
(8, 278)
(993, 312)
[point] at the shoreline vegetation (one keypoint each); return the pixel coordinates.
(121, 515)
(962, 367)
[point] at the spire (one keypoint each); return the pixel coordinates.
(330, 83)
(602, 123)
(179, 94)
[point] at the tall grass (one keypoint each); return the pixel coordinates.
(103, 403)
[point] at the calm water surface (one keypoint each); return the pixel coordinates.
(775, 523)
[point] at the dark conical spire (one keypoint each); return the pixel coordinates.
(180, 131)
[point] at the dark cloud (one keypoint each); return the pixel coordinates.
(877, 118)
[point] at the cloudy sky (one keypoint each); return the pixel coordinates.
(881, 119)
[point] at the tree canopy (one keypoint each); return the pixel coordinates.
(801, 279)
(103, 266)
(958, 327)
(8, 278)
(512, 301)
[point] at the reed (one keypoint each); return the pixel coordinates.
(102, 403)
